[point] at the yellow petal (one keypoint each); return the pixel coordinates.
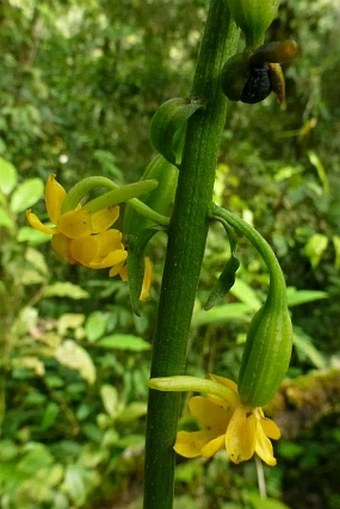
(61, 245)
(103, 219)
(75, 224)
(112, 259)
(209, 414)
(38, 225)
(109, 241)
(189, 444)
(54, 196)
(84, 250)
(263, 447)
(99, 251)
(270, 428)
(120, 269)
(213, 446)
(240, 436)
(145, 291)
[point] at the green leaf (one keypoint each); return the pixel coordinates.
(246, 294)
(336, 244)
(124, 342)
(222, 314)
(304, 346)
(27, 194)
(109, 395)
(315, 248)
(132, 412)
(257, 502)
(37, 457)
(32, 236)
(74, 484)
(73, 356)
(95, 325)
(50, 414)
(65, 289)
(6, 220)
(8, 176)
(297, 297)
(320, 169)
(37, 260)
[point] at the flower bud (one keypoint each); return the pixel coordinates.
(267, 351)
(254, 18)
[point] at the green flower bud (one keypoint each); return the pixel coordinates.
(267, 351)
(254, 18)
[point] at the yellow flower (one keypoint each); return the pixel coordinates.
(240, 429)
(84, 237)
(80, 236)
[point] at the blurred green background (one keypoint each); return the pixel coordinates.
(80, 81)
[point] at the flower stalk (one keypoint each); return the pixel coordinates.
(187, 237)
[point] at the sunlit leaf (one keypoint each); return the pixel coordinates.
(258, 502)
(27, 194)
(32, 236)
(315, 248)
(297, 297)
(95, 325)
(74, 484)
(65, 289)
(305, 348)
(124, 342)
(132, 412)
(73, 356)
(6, 220)
(71, 321)
(8, 176)
(245, 294)
(109, 395)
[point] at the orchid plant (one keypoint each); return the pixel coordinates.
(179, 181)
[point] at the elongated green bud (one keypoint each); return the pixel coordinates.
(254, 18)
(267, 352)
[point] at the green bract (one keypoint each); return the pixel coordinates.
(254, 18)
(168, 126)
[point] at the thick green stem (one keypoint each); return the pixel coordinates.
(187, 238)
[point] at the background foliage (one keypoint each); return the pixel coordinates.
(80, 82)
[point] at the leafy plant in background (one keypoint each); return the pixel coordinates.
(75, 483)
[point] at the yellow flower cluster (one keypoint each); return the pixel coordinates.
(228, 424)
(86, 238)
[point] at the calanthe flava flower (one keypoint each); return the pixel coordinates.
(80, 236)
(228, 424)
